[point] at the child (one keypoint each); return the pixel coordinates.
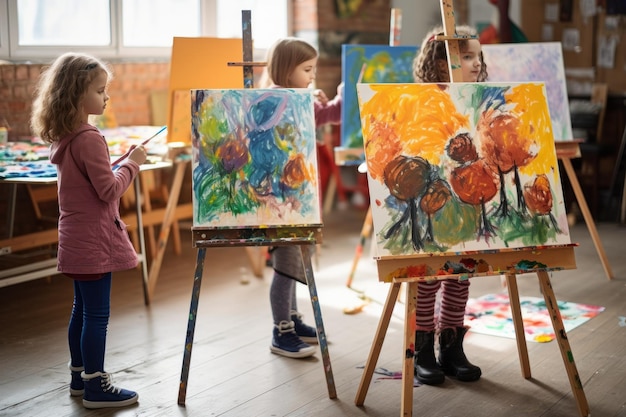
(431, 66)
(93, 240)
(292, 63)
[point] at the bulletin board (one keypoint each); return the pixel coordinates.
(551, 21)
(611, 42)
(198, 63)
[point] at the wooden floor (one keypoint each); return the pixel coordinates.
(233, 372)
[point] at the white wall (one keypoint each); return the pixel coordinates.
(419, 16)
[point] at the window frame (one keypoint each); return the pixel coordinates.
(10, 50)
(4, 29)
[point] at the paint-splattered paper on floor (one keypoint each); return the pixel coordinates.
(491, 315)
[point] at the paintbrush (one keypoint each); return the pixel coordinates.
(121, 158)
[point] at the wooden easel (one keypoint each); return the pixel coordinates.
(395, 26)
(565, 152)
(254, 238)
(508, 262)
(551, 257)
(204, 239)
(256, 256)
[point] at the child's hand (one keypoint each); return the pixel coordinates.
(138, 154)
(340, 89)
(320, 96)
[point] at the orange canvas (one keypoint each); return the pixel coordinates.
(199, 63)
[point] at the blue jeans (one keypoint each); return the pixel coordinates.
(88, 323)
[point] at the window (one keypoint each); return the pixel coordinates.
(47, 24)
(31, 29)
(269, 20)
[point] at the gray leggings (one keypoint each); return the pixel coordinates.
(282, 297)
(288, 270)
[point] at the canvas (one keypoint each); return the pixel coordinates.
(254, 158)
(383, 64)
(198, 63)
(461, 166)
(542, 61)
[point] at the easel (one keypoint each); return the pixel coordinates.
(509, 263)
(256, 257)
(395, 26)
(254, 237)
(565, 152)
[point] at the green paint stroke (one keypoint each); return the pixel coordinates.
(529, 265)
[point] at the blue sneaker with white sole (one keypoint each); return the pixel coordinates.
(305, 332)
(100, 393)
(286, 342)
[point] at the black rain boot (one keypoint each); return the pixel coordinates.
(426, 369)
(452, 359)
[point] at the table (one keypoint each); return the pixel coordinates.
(32, 240)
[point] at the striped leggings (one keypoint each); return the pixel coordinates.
(454, 297)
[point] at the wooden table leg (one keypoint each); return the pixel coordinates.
(191, 325)
(377, 344)
(408, 373)
(561, 337)
(143, 256)
(591, 225)
(147, 182)
(168, 219)
(518, 323)
(256, 256)
(317, 312)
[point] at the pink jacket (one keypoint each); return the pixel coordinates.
(92, 237)
(329, 113)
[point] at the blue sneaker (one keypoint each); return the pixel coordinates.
(99, 393)
(287, 343)
(305, 332)
(77, 387)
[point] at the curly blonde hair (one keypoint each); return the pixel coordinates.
(59, 94)
(425, 68)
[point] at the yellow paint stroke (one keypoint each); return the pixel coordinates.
(531, 109)
(412, 119)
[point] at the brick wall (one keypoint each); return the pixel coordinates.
(129, 91)
(318, 22)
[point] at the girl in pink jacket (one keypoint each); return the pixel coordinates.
(93, 240)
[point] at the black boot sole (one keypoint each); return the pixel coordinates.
(463, 377)
(431, 381)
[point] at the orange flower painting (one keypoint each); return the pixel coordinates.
(454, 167)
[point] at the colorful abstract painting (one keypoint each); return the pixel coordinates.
(457, 167)
(491, 314)
(254, 158)
(542, 61)
(383, 64)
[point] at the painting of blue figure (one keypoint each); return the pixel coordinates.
(541, 61)
(372, 64)
(254, 158)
